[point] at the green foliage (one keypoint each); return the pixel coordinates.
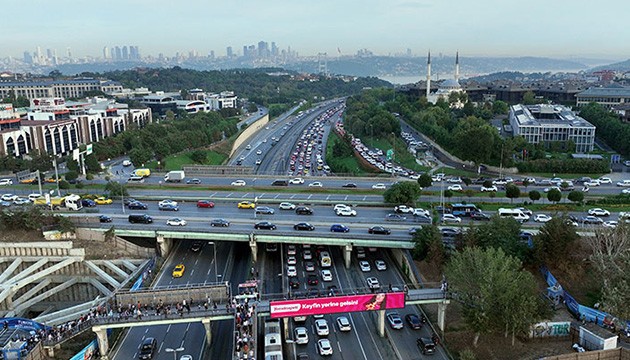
(448, 194)
(534, 195)
(364, 116)
(512, 192)
(554, 241)
(64, 185)
(582, 166)
(71, 175)
(487, 183)
(405, 192)
(89, 176)
(425, 181)
(499, 233)
(554, 195)
(32, 218)
(92, 165)
(467, 354)
(500, 108)
(529, 98)
(423, 239)
(609, 127)
(116, 189)
(39, 161)
(252, 108)
(140, 155)
(576, 196)
(199, 156)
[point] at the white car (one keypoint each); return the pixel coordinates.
(403, 209)
(346, 212)
(543, 218)
(176, 222)
(421, 212)
(301, 335)
(259, 152)
(286, 206)
(258, 161)
(167, 202)
(379, 186)
(625, 191)
(372, 283)
(6, 182)
(451, 218)
(624, 183)
(186, 357)
(552, 188)
(456, 187)
(21, 201)
(605, 180)
(381, 265)
(296, 181)
(343, 324)
(610, 224)
(455, 180)
(316, 184)
(9, 197)
(239, 183)
(324, 347)
(327, 275)
(291, 260)
(594, 182)
(598, 212)
(321, 325)
(365, 266)
(34, 196)
(291, 271)
(491, 188)
(340, 206)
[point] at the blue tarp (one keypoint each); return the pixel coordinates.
(23, 324)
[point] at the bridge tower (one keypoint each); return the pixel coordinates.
(322, 63)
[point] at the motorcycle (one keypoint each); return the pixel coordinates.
(436, 339)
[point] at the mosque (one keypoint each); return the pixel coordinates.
(446, 87)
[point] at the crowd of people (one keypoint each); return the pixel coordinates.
(244, 336)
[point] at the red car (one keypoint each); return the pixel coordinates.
(205, 204)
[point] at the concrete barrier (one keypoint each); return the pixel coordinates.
(249, 132)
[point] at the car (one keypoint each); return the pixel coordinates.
(626, 163)
(186, 357)
(379, 186)
(414, 321)
(137, 205)
(264, 225)
(309, 266)
(286, 206)
(422, 213)
(321, 327)
(34, 196)
(479, 216)
(193, 181)
(381, 265)
(395, 217)
(296, 181)
(394, 320)
(346, 212)
(103, 201)
(610, 224)
(339, 228)
(404, 209)
(303, 356)
(449, 232)
(178, 270)
(205, 204)
(312, 279)
(413, 230)
(264, 210)
(168, 207)
(238, 183)
(592, 220)
(246, 205)
(456, 187)
(88, 203)
(341, 206)
(6, 182)
(372, 283)
(316, 184)
(291, 271)
(303, 226)
(303, 210)
(624, 183)
(598, 212)
(379, 230)
(605, 180)
(176, 222)
(258, 152)
(625, 191)
(324, 347)
(492, 188)
(147, 348)
(291, 260)
(21, 201)
(525, 211)
(593, 182)
(294, 283)
(343, 324)
(301, 335)
(219, 223)
(168, 202)
(543, 218)
(426, 345)
(365, 266)
(196, 246)
(105, 219)
(349, 185)
(326, 275)
(291, 249)
(126, 163)
(548, 189)
(446, 218)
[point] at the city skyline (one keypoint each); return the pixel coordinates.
(559, 29)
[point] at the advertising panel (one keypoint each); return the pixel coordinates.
(337, 304)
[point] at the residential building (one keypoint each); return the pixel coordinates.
(67, 89)
(607, 96)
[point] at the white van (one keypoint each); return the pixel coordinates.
(516, 214)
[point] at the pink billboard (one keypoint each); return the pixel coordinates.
(337, 304)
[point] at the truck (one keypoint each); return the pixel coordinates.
(174, 176)
(142, 172)
(68, 202)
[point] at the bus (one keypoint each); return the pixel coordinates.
(273, 340)
(324, 259)
(248, 289)
(463, 209)
(516, 214)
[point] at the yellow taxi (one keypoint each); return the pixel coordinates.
(51, 180)
(178, 271)
(102, 201)
(29, 181)
(246, 205)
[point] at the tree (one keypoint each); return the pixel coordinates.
(499, 233)
(500, 108)
(252, 108)
(405, 192)
(529, 98)
(71, 175)
(487, 183)
(496, 294)
(425, 181)
(139, 155)
(534, 195)
(115, 189)
(554, 241)
(554, 195)
(467, 181)
(92, 165)
(199, 156)
(576, 196)
(448, 194)
(512, 192)
(423, 239)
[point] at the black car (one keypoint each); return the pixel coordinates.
(265, 225)
(128, 201)
(478, 215)
(168, 207)
(294, 284)
(426, 346)
(220, 223)
(449, 232)
(414, 321)
(105, 219)
(312, 280)
(147, 349)
(349, 185)
(379, 230)
(88, 203)
(303, 210)
(303, 226)
(137, 205)
(196, 246)
(193, 181)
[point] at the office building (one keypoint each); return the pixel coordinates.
(608, 97)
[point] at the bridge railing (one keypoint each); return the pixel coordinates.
(195, 293)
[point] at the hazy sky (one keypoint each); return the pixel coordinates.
(555, 28)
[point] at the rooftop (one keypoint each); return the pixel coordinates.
(547, 115)
(619, 91)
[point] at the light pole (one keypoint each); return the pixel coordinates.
(214, 249)
(174, 351)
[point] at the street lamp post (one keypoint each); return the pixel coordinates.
(214, 249)
(174, 351)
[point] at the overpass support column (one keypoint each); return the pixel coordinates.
(254, 246)
(207, 324)
(165, 245)
(347, 255)
(441, 317)
(103, 343)
(381, 323)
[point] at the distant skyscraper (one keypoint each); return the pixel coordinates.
(211, 55)
(263, 49)
(117, 53)
(125, 53)
(274, 49)
(69, 53)
(28, 58)
(49, 53)
(106, 53)
(228, 52)
(134, 52)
